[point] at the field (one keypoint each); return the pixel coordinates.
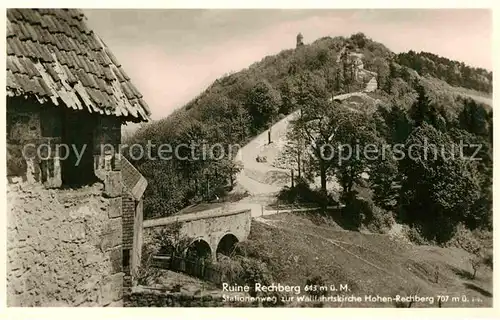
(297, 247)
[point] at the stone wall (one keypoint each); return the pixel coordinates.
(63, 247)
(153, 298)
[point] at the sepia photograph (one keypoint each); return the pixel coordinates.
(249, 158)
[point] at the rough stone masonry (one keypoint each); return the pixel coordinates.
(63, 247)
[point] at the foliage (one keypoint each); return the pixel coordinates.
(172, 241)
(145, 273)
(262, 104)
(416, 106)
(465, 239)
(302, 193)
(454, 72)
(165, 241)
(440, 187)
(378, 220)
(414, 234)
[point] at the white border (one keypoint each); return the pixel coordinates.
(237, 313)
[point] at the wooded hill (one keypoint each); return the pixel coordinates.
(416, 105)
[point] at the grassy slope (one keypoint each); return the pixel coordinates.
(295, 248)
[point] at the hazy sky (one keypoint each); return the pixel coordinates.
(172, 55)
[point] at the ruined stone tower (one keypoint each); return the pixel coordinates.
(300, 37)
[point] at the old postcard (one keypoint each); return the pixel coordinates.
(326, 158)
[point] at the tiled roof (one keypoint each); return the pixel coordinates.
(53, 55)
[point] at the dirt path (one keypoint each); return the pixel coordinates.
(263, 178)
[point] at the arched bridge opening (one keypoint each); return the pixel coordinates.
(227, 244)
(197, 256)
(199, 250)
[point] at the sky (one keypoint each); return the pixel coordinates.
(172, 55)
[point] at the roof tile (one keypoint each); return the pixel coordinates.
(11, 66)
(11, 81)
(112, 57)
(17, 47)
(92, 80)
(10, 15)
(51, 71)
(51, 23)
(46, 55)
(118, 74)
(85, 63)
(23, 32)
(60, 57)
(71, 76)
(124, 74)
(10, 29)
(126, 89)
(29, 67)
(108, 75)
(16, 14)
(19, 65)
(10, 48)
(36, 17)
(136, 92)
(15, 28)
(46, 90)
(76, 64)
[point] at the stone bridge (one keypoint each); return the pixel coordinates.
(212, 231)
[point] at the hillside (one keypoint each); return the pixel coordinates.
(353, 87)
(306, 246)
(300, 249)
(453, 72)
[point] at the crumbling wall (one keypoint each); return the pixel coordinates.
(63, 247)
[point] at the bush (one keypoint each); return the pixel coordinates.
(488, 259)
(302, 193)
(414, 235)
(358, 212)
(377, 219)
(146, 274)
(254, 271)
(465, 239)
(230, 269)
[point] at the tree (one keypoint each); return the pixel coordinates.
(359, 39)
(262, 104)
(315, 120)
(384, 181)
(439, 187)
(287, 92)
(354, 134)
(381, 67)
(295, 151)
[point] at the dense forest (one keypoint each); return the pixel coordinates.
(434, 195)
(453, 72)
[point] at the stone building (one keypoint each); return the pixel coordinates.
(75, 205)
